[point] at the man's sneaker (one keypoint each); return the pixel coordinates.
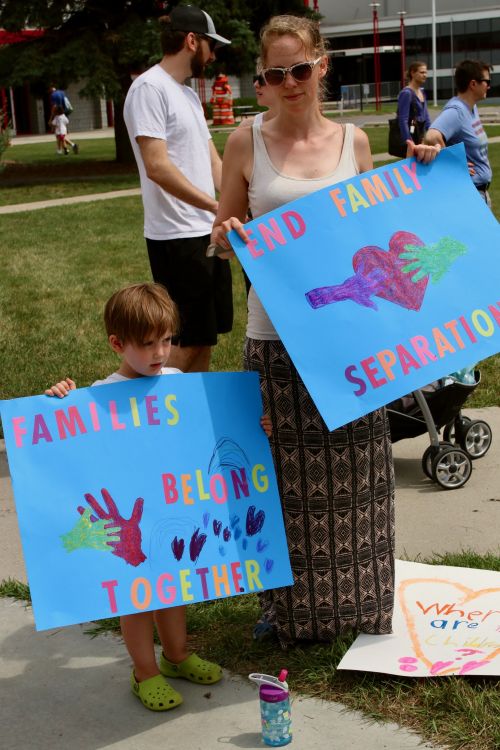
(66, 152)
(75, 148)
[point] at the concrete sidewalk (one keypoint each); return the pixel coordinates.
(63, 690)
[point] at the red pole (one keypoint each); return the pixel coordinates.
(402, 14)
(376, 55)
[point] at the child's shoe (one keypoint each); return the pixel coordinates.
(193, 669)
(155, 693)
(75, 148)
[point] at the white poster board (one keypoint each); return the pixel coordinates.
(446, 622)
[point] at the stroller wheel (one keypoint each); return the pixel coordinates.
(451, 468)
(477, 438)
(449, 435)
(430, 454)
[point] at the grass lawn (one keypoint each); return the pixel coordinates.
(460, 712)
(91, 150)
(34, 172)
(55, 283)
(54, 286)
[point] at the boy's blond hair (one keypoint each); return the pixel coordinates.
(139, 311)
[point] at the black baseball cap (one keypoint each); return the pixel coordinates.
(190, 18)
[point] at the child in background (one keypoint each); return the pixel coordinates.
(140, 320)
(60, 124)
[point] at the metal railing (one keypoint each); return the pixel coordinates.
(359, 95)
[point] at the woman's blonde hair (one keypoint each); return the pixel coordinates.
(139, 311)
(304, 29)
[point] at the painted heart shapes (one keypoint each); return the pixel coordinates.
(393, 285)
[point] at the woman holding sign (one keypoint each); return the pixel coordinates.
(336, 487)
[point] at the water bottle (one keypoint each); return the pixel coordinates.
(274, 708)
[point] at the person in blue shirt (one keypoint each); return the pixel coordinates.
(459, 122)
(413, 116)
(56, 99)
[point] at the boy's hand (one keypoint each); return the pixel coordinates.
(62, 388)
(266, 424)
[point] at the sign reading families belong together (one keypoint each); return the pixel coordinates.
(145, 494)
(380, 284)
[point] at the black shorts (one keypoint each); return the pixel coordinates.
(200, 286)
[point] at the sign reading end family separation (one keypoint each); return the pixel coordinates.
(380, 284)
(145, 494)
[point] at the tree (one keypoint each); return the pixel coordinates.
(262, 10)
(101, 42)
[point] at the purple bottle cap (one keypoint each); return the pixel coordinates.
(272, 693)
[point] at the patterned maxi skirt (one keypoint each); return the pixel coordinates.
(337, 495)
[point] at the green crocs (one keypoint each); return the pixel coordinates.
(155, 693)
(193, 669)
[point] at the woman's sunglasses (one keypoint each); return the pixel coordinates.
(300, 72)
(259, 79)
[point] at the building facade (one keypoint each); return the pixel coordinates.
(405, 29)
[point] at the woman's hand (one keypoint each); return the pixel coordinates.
(62, 388)
(422, 152)
(219, 235)
(266, 424)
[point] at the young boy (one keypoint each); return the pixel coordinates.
(140, 320)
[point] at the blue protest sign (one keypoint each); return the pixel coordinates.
(380, 284)
(145, 494)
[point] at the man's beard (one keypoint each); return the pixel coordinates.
(197, 63)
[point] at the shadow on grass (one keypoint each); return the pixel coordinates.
(64, 169)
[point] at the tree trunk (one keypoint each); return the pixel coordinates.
(124, 153)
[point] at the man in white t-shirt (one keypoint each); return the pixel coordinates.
(180, 169)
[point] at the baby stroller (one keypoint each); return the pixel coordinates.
(448, 461)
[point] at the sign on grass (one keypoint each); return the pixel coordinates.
(145, 494)
(380, 284)
(446, 622)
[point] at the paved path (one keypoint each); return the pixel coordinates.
(37, 205)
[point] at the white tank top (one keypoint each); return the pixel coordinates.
(269, 189)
